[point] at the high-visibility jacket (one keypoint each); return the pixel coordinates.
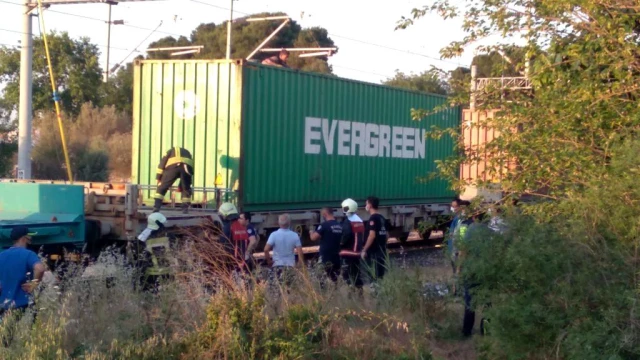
(160, 256)
(175, 156)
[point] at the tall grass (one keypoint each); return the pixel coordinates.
(208, 312)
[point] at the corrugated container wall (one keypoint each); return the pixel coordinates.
(193, 104)
(296, 140)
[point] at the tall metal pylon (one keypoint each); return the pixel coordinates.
(25, 108)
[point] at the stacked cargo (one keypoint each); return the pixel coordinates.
(282, 139)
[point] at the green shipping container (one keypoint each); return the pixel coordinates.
(285, 139)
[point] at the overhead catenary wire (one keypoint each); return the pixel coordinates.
(98, 45)
(95, 19)
(364, 42)
(136, 48)
(56, 98)
(347, 38)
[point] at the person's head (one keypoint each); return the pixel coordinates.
(462, 206)
(284, 55)
(21, 236)
(245, 218)
(284, 221)
(326, 213)
(349, 206)
(372, 204)
(228, 212)
(455, 205)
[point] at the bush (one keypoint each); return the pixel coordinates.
(566, 286)
(98, 141)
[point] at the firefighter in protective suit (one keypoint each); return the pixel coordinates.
(176, 164)
(154, 250)
(352, 243)
(236, 238)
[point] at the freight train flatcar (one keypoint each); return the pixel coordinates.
(276, 140)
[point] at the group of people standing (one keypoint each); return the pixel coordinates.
(360, 246)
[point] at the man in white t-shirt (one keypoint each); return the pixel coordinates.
(284, 243)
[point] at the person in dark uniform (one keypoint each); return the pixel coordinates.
(278, 60)
(176, 164)
(330, 235)
(351, 244)
(375, 250)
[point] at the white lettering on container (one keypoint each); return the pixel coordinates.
(363, 139)
(310, 135)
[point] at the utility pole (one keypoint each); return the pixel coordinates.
(106, 64)
(229, 31)
(26, 88)
(109, 23)
(26, 82)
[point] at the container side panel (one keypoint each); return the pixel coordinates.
(135, 133)
(195, 105)
(312, 140)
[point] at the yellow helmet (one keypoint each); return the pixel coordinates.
(151, 220)
(349, 206)
(228, 210)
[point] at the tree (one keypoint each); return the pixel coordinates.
(246, 37)
(118, 91)
(75, 66)
(99, 144)
(575, 142)
(8, 145)
(427, 81)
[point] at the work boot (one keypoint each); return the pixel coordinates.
(185, 208)
(157, 205)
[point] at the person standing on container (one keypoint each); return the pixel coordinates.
(352, 243)
(176, 164)
(330, 235)
(375, 248)
(278, 60)
(20, 272)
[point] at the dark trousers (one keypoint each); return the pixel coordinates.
(332, 269)
(378, 265)
(352, 274)
(469, 312)
(169, 176)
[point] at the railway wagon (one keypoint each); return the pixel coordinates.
(269, 139)
(275, 139)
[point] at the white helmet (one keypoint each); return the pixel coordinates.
(349, 206)
(151, 220)
(228, 211)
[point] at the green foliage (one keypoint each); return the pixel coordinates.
(98, 140)
(427, 81)
(8, 146)
(246, 36)
(75, 66)
(583, 73)
(118, 91)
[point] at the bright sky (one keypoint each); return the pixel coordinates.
(363, 32)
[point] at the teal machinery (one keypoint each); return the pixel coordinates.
(54, 213)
